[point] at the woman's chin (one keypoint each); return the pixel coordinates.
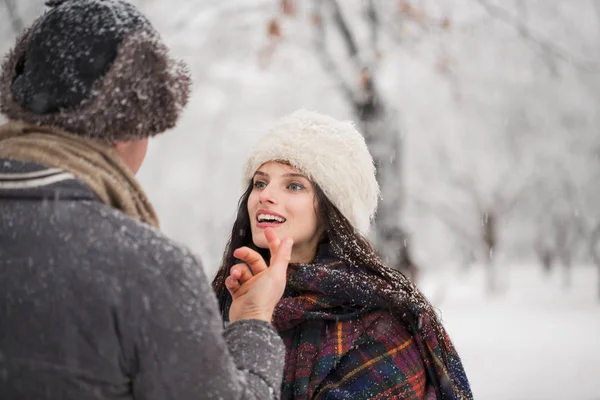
(260, 241)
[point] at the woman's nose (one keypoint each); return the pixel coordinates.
(267, 195)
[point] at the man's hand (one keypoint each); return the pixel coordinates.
(256, 289)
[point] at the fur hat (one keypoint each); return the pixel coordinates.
(332, 153)
(96, 68)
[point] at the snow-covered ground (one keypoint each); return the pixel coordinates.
(537, 341)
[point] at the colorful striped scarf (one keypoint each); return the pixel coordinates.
(344, 340)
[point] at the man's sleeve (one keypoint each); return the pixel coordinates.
(181, 350)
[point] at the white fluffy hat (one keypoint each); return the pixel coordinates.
(331, 153)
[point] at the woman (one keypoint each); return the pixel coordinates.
(353, 328)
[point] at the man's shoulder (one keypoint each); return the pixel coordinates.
(128, 236)
(82, 231)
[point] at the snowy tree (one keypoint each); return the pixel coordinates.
(467, 105)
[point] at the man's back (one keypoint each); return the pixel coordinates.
(95, 305)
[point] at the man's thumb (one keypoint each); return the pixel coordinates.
(280, 262)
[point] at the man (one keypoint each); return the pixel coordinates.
(95, 303)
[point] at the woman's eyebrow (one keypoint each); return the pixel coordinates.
(295, 175)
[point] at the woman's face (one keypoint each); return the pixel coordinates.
(283, 198)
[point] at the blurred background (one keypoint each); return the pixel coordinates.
(483, 117)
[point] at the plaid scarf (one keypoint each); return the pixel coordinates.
(344, 341)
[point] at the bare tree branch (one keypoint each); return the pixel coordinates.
(374, 27)
(447, 216)
(460, 181)
(594, 241)
(549, 50)
(342, 25)
(365, 93)
(467, 185)
(15, 19)
(523, 10)
(594, 253)
(402, 42)
(373, 19)
(504, 202)
(328, 64)
(395, 24)
(379, 125)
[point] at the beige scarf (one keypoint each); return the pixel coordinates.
(94, 162)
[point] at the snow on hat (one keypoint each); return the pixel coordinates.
(332, 153)
(96, 68)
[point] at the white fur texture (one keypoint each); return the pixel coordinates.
(331, 153)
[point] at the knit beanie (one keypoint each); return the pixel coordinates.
(95, 68)
(332, 153)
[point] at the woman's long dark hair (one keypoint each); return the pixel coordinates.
(407, 301)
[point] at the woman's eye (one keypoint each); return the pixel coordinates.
(259, 185)
(295, 186)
